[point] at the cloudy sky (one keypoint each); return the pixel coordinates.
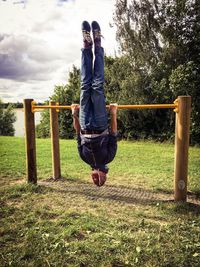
(41, 40)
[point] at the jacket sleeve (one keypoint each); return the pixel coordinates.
(112, 147)
(79, 144)
(80, 149)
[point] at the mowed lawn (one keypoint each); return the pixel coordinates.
(131, 221)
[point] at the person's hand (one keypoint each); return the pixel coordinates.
(75, 109)
(113, 108)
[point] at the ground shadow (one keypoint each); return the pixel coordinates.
(116, 193)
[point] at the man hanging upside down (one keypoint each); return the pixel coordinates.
(97, 144)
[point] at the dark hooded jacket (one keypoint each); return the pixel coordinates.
(98, 151)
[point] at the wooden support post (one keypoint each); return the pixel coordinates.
(55, 141)
(181, 147)
(30, 142)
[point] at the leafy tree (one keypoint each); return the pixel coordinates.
(160, 39)
(154, 31)
(180, 29)
(185, 79)
(126, 86)
(137, 31)
(7, 118)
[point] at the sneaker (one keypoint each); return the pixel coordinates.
(87, 40)
(96, 30)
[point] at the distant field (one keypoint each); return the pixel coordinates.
(131, 221)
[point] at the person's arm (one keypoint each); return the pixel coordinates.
(77, 127)
(112, 148)
(113, 116)
(76, 124)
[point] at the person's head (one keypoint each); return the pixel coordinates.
(98, 177)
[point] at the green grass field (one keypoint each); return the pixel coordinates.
(131, 221)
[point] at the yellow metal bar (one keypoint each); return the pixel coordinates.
(48, 106)
(147, 106)
(57, 107)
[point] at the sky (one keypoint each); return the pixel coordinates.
(41, 40)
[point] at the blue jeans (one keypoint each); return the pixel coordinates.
(93, 114)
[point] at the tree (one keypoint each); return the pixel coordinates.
(185, 79)
(159, 31)
(7, 118)
(126, 86)
(137, 32)
(162, 40)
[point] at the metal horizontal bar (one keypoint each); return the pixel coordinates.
(37, 107)
(147, 106)
(48, 106)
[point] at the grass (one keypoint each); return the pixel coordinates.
(129, 222)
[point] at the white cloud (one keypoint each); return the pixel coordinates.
(40, 41)
(23, 58)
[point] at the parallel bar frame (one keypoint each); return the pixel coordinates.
(36, 108)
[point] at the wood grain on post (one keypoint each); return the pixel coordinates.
(55, 141)
(182, 147)
(29, 120)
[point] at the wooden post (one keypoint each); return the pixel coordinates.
(29, 119)
(55, 141)
(181, 147)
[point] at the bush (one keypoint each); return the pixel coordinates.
(7, 118)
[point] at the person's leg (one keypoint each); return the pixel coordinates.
(100, 117)
(85, 115)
